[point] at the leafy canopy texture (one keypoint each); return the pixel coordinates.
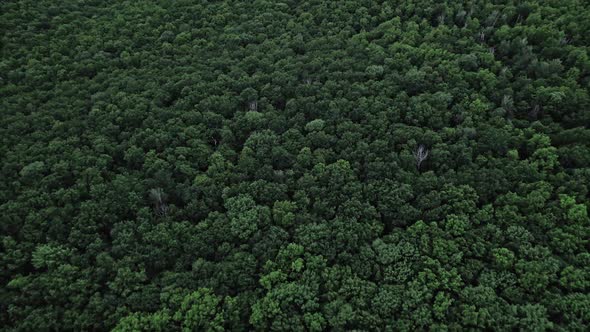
(289, 165)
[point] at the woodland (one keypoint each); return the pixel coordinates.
(313, 165)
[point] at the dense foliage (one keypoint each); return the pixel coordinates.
(294, 165)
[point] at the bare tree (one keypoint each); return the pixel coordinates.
(158, 197)
(508, 105)
(534, 113)
(564, 41)
(253, 105)
(482, 36)
(496, 17)
(507, 102)
(420, 154)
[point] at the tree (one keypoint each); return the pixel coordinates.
(420, 154)
(245, 216)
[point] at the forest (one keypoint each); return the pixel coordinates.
(294, 165)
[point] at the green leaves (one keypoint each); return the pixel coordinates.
(294, 166)
(50, 256)
(283, 213)
(315, 125)
(245, 216)
(158, 322)
(200, 310)
(503, 257)
(574, 213)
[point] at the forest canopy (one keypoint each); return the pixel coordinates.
(294, 165)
